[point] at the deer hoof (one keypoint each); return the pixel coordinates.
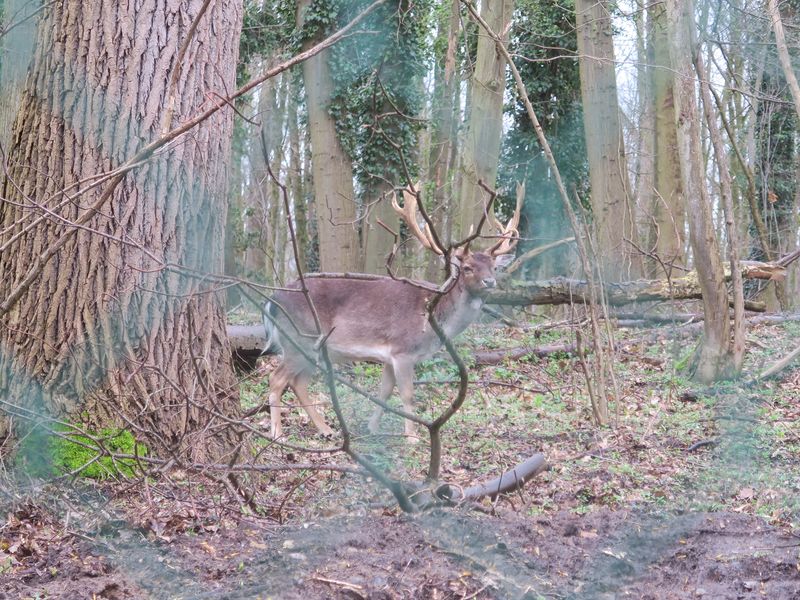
(327, 432)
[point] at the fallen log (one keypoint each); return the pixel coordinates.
(562, 290)
(494, 357)
(508, 482)
(679, 331)
(247, 345)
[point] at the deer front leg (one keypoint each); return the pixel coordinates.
(300, 387)
(277, 385)
(387, 386)
(404, 375)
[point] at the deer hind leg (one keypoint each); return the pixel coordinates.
(278, 382)
(387, 387)
(300, 387)
(404, 374)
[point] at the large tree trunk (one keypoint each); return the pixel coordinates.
(614, 220)
(667, 238)
(713, 360)
(485, 126)
(107, 330)
(332, 169)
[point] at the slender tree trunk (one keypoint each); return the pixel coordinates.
(612, 205)
(794, 88)
(726, 199)
(258, 221)
(16, 49)
(332, 169)
(668, 209)
(783, 53)
(713, 360)
(107, 331)
(443, 136)
(296, 183)
(377, 241)
(644, 182)
(481, 151)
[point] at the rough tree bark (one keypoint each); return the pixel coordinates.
(713, 359)
(332, 168)
(481, 151)
(612, 206)
(107, 330)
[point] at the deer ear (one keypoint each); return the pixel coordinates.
(502, 261)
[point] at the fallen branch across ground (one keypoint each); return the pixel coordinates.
(508, 482)
(562, 290)
(780, 365)
(678, 331)
(494, 357)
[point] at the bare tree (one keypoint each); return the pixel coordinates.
(481, 150)
(667, 237)
(612, 206)
(713, 359)
(443, 122)
(332, 168)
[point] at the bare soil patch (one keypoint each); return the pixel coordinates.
(441, 554)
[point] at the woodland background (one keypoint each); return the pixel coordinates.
(153, 155)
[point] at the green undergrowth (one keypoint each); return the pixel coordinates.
(671, 444)
(63, 451)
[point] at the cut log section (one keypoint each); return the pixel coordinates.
(247, 344)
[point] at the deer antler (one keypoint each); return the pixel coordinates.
(408, 213)
(509, 234)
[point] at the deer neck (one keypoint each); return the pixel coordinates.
(457, 309)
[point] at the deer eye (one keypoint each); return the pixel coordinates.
(467, 269)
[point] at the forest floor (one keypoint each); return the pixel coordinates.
(638, 509)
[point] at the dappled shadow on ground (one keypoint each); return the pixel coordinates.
(441, 554)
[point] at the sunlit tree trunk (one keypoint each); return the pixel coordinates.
(713, 359)
(481, 151)
(121, 323)
(612, 206)
(332, 169)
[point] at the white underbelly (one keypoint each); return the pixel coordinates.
(359, 353)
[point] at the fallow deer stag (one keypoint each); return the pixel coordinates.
(380, 319)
